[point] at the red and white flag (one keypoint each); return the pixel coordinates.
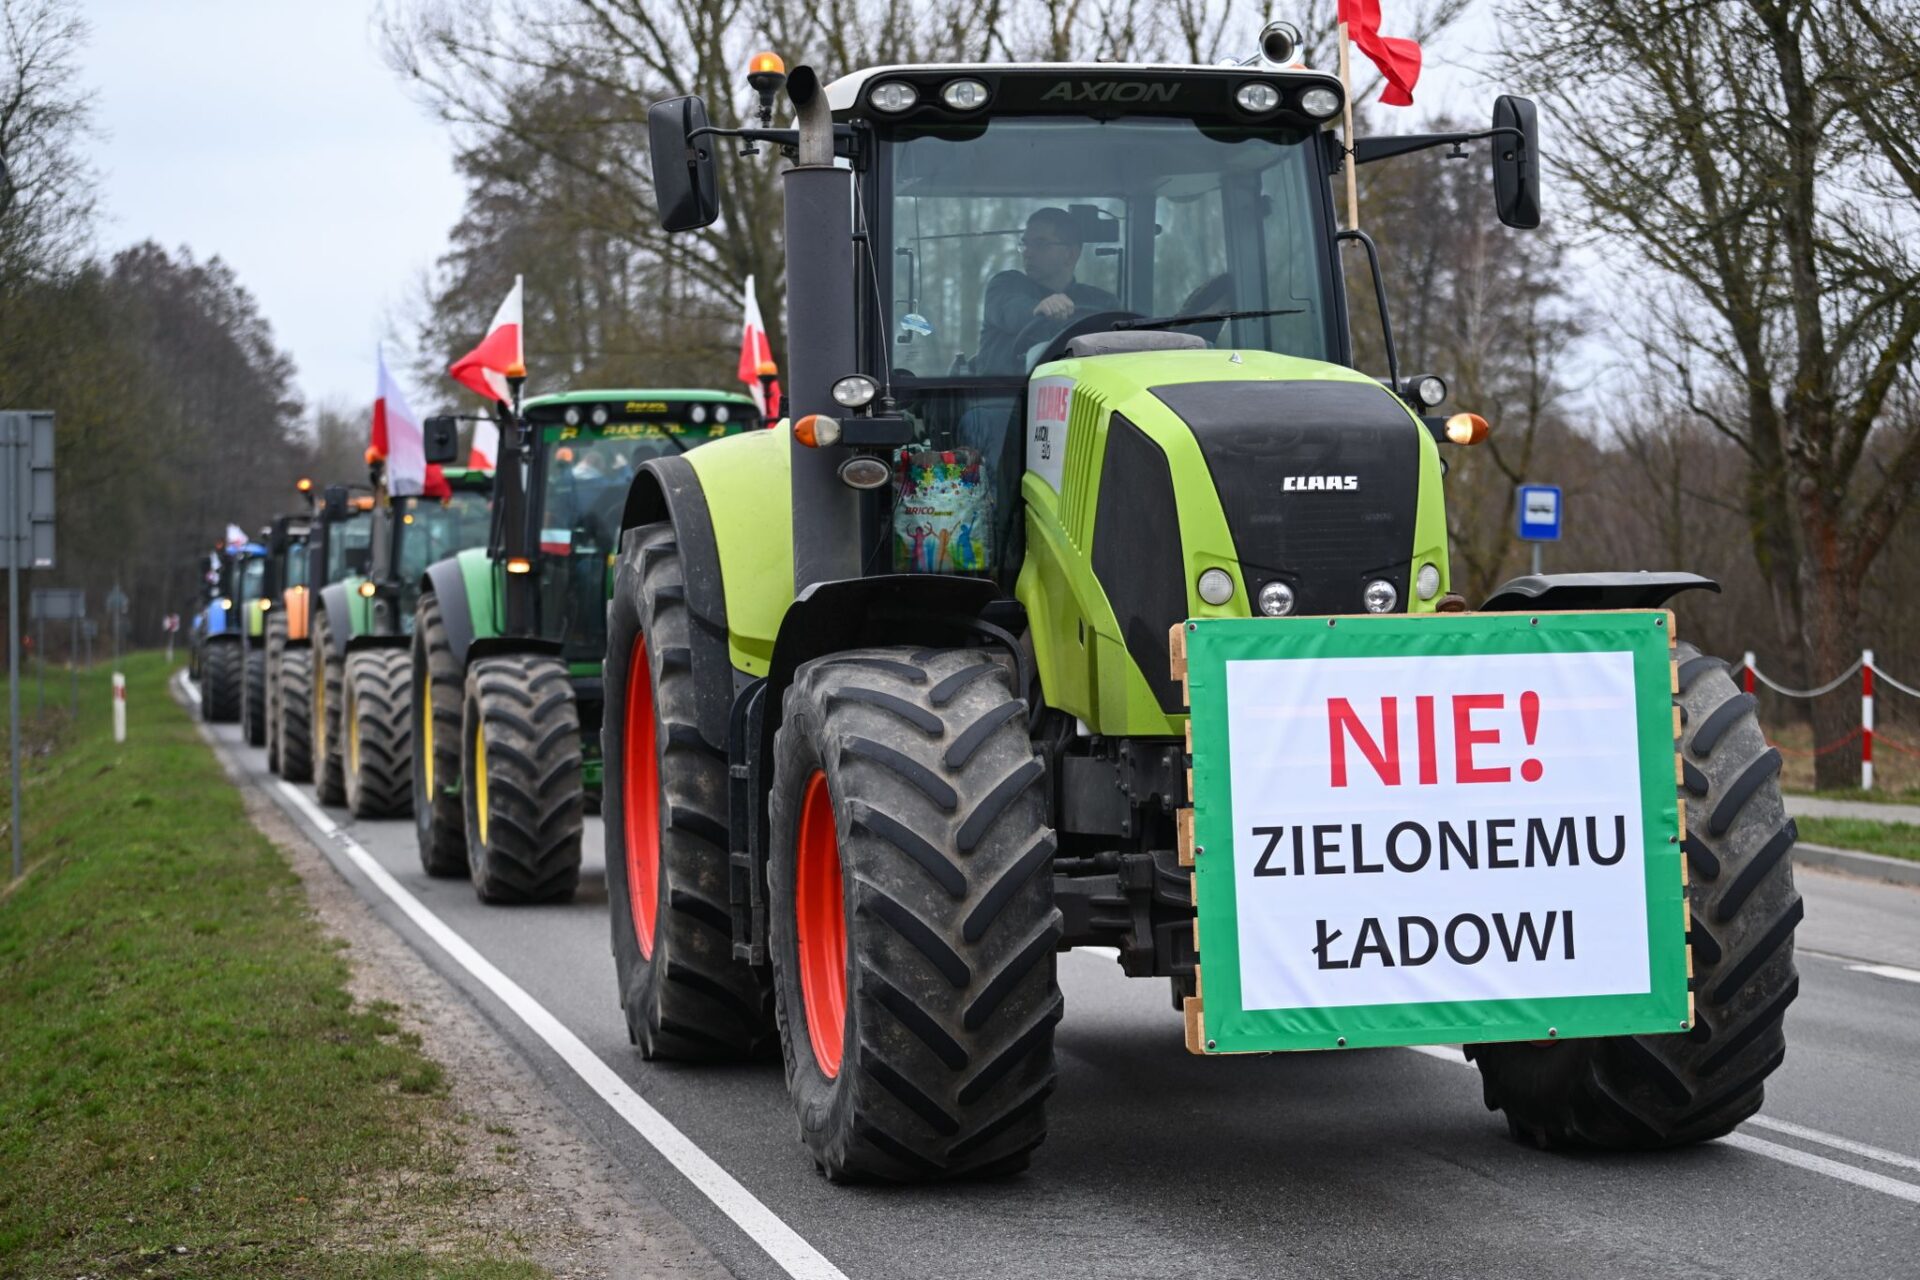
(756, 354)
(500, 356)
(485, 446)
(396, 435)
(1398, 59)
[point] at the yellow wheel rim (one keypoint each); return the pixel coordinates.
(320, 711)
(353, 733)
(426, 733)
(480, 780)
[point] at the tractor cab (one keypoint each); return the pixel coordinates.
(340, 538)
(586, 448)
(412, 531)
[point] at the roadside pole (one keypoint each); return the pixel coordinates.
(1538, 508)
(119, 707)
(26, 527)
(16, 814)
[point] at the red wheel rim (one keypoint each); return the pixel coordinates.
(820, 914)
(640, 799)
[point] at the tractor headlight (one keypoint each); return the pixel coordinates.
(964, 95)
(367, 589)
(855, 391)
(226, 602)
(1320, 103)
(599, 415)
(864, 472)
(1257, 97)
(1430, 390)
(1380, 597)
(1215, 586)
(893, 97)
(1426, 583)
(571, 417)
(1276, 600)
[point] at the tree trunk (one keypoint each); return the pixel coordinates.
(1830, 642)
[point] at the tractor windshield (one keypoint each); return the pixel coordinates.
(1003, 236)
(253, 573)
(433, 529)
(349, 547)
(589, 454)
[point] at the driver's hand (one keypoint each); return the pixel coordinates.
(1055, 306)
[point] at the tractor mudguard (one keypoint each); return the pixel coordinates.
(464, 585)
(336, 603)
(1561, 592)
(668, 489)
(745, 482)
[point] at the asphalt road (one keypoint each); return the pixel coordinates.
(1370, 1163)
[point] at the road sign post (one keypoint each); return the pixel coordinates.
(26, 529)
(1539, 507)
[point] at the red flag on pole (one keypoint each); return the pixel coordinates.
(1398, 59)
(500, 356)
(756, 358)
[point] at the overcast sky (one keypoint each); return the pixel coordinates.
(269, 132)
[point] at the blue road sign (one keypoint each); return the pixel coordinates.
(1539, 512)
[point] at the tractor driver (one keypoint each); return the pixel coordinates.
(1049, 251)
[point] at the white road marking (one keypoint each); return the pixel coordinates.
(189, 688)
(1838, 1143)
(1888, 971)
(1774, 1151)
(781, 1242)
(1820, 1164)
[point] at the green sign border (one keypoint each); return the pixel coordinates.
(1229, 1028)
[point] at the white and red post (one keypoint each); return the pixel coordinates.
(1866, 719)
(119, 707)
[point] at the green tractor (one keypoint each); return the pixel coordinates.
(285, 589)
(890, 718)
(363, 625)
(508, 638)
(338, 546)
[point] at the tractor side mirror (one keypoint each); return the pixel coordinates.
(1516, 162)
(441, 440)
(333, 503)
(684, 186)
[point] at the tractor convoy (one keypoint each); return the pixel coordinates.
(879, 705)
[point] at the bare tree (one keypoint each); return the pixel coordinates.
(1764, 155)
(46, 188)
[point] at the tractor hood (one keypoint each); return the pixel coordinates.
(1147, 469)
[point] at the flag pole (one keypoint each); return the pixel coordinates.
(1352, 163)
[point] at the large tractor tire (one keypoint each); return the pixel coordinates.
(521, 780)
(378, 745)
(912, 918)
(220, 685)
(329, 677)
(665, 803)
(1643, 1092)
(276, 646)
(439, 689)
(295, 724)
(253, 704)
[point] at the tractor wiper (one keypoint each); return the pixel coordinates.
(1169, 322)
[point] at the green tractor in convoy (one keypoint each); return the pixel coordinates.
(508, 638)
(363, 626)
(338, 545)
(285, 590)
(890, 719)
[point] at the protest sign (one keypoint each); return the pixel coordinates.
(1413, 830)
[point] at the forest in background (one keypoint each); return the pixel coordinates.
(1709, 345)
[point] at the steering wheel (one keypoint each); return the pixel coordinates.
(1084, 319)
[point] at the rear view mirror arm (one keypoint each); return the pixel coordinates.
(1367, 150)
(1380, 297)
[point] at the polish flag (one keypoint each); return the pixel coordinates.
(757, 353)
(396, 435)
(500, 356)
(1398, 60)
(485, 446)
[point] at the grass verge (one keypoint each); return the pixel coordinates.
(1889, 839)
(186, 1086)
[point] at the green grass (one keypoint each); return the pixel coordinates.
(186, 1086)
(1910, 795)
(1889, 839)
